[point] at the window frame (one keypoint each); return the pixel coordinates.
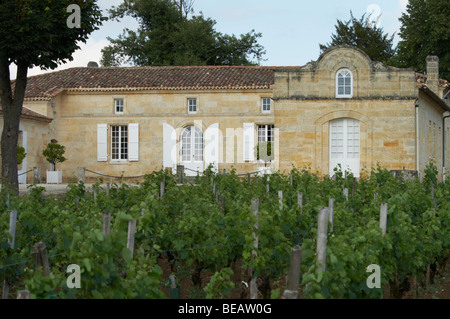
(116, 106)
(344, 95)
(120, 150)
(263, 99)
(266, 137)
(189, 105)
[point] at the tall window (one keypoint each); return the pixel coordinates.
(119, 142)
(266, 107)
(192, 106)
(266, 138)
(118, 106)
(192, 144)
(344, 84)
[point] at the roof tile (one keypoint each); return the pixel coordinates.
(46, 86)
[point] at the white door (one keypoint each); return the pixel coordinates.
(192, 150)
(345, 145)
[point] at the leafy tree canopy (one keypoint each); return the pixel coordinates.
(362, 34)
(424, 32)
(35, 33)
(167, 36)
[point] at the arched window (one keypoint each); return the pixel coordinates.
(344, 84)
(192, 149)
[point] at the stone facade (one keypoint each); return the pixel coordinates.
(35, 132)
(388, 116)
(80, 113)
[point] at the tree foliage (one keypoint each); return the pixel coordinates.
(54, 153)
(167, 36)
(21, 154)
(34, 33)
(362, 34)
(424, 32)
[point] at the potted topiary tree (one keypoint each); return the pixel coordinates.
(20, 155)
(54, 154)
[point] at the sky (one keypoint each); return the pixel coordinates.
(291, 29)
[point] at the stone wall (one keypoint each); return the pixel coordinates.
(34, 136)
(383, 103)
(387, 132)
(78, 114)
(430, 133)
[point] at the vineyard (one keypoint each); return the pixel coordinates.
(210, 225)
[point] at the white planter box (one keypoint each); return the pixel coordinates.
(263, 170)
(54, 177)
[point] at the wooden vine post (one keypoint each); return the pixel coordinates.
(322, 230)
(383, 218)
(95, 194)
(162, 188)
(36, 175)
(11, 243)
(331, 217)
(40, 258)
(300, 201)
(222, 204)
(180, 174)
(131, 232)
(253, 284)
(293, 281)
(23, 294)
(174, 290)
(106, 223)
(82, 174)
(280, 199)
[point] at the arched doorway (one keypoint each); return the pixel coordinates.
(192, 150)
(345, 147)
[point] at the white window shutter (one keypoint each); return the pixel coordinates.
(133, 144)
(249, 142)
(102, 142)
(212, 146)
(169, 147)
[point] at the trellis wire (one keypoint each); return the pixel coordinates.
(25, 172)
(118, 177)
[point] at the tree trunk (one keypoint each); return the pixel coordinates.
(196, 275)
(12, 109)
(264, 287)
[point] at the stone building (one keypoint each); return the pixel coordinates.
(34, 134)
(342, 109)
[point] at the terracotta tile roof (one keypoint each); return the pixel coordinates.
(32, 115)
(46, 86)
(421, 80)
